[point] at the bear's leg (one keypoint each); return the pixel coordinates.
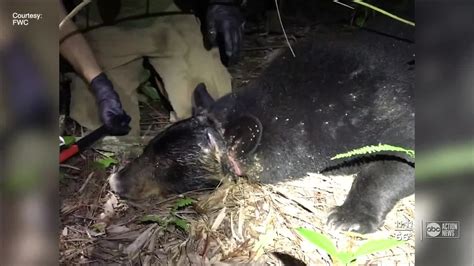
(375, 190)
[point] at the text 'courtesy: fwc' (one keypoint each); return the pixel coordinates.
(25, 19)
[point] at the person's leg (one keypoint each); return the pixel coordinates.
(126, 80)
(184, 62)
(174, 73)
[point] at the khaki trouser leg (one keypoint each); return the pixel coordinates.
(175, 47)
(182, 70)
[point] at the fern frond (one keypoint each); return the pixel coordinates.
(373, 149)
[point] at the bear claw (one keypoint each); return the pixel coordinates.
(346, 219)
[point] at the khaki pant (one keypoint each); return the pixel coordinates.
(176, 51)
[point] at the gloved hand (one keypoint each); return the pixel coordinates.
(110, 108)
(224, 24)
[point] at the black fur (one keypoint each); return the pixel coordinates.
(346, 89)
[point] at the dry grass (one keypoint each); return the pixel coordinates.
(237, 223)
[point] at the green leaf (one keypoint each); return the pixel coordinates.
(152, 218)
(361, 18)
(373, 246)
(345, 257)
(106, 162)
(99, 227)
(68, 140)
(183, 202)
(181, 223)
(320, 241)
(360, 21)
(150, 91)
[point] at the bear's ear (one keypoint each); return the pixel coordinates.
(202, 100)
(243, 135)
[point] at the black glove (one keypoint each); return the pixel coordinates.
(110, 108)
(224, 24)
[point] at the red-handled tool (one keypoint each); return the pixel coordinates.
(82, 144)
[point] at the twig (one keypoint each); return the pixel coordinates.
(284, 32)
(342, 4)
(141, 206)
(206, 246)
(101, 152)
(69, 166)
(78, 240)
(147, 131)
(263, 48)
(71, 177)
(85, 183)
(299, 202)
(74, 12)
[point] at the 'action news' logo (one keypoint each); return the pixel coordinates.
(442, 229)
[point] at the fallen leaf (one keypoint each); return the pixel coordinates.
(117, 229)
(220, 217)
(65, 231)
(133, 249)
